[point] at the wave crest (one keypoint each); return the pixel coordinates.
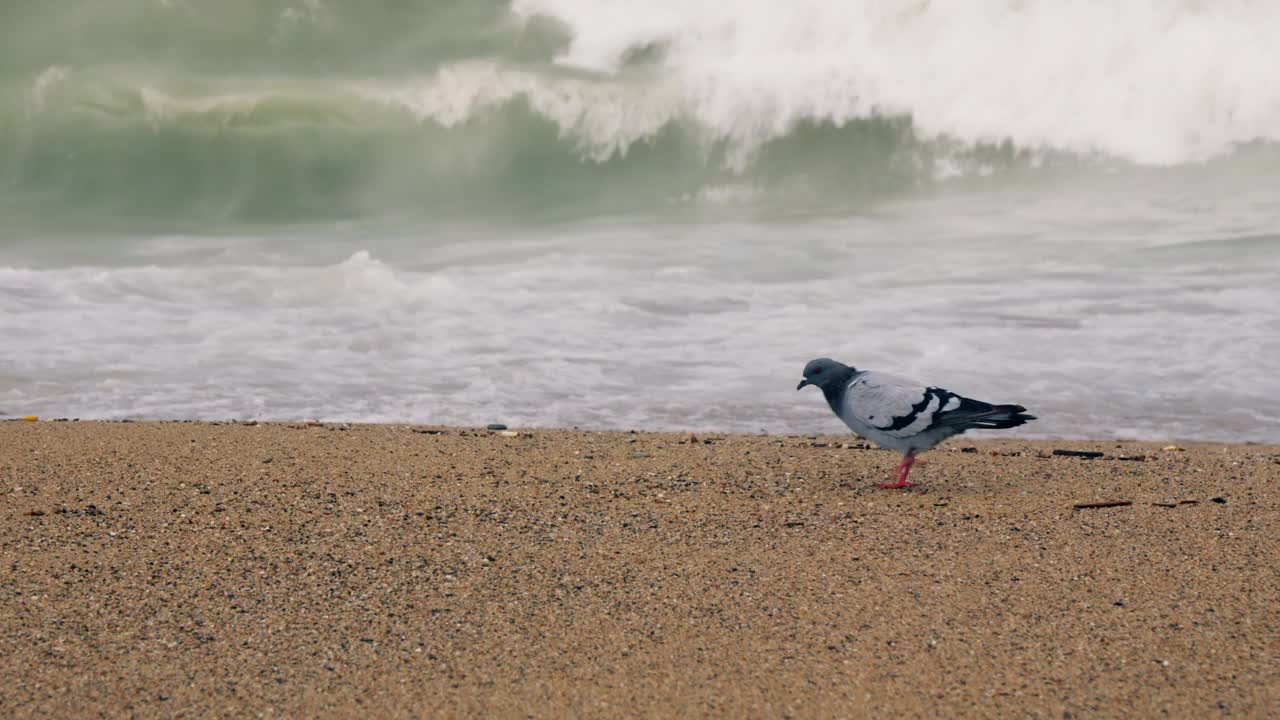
(589, 105)
(1151, 82)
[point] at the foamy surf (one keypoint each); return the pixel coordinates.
(1151, 82)
(661, 326)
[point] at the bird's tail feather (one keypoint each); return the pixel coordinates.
(999, 417)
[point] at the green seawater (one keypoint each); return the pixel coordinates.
(224, 112)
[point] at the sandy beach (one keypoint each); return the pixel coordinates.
(306, 570)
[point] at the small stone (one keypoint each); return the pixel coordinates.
(495, 426)
(1173, 448)
(1219, 500)
(509, 433)
(639, 455)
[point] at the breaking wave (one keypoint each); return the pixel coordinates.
(281, 111)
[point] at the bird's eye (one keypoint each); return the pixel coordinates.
(817, 371)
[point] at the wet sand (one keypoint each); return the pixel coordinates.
(185, 569)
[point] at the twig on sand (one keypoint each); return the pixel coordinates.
(1079, 453)
(1103, 504)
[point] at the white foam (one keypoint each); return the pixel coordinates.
(160, 107)
(49, 78)
(701, 326)
(1152, 81)
(603, 117)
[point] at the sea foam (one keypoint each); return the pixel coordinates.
(1153, 81)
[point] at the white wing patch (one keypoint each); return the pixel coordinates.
(895, 406)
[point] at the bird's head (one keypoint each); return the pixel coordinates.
(825, 372)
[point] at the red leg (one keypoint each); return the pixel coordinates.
(904, 469)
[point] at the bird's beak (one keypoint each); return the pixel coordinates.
(802, 384)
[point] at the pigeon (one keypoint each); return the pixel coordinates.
(900, 414)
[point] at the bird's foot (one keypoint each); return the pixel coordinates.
(903, 470)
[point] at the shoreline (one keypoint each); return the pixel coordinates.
(833, 433)
(163, 568)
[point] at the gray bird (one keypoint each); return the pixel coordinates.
(901, 414)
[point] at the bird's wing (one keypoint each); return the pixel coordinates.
(897, 406)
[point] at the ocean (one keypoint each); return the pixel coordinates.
(622, 215)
